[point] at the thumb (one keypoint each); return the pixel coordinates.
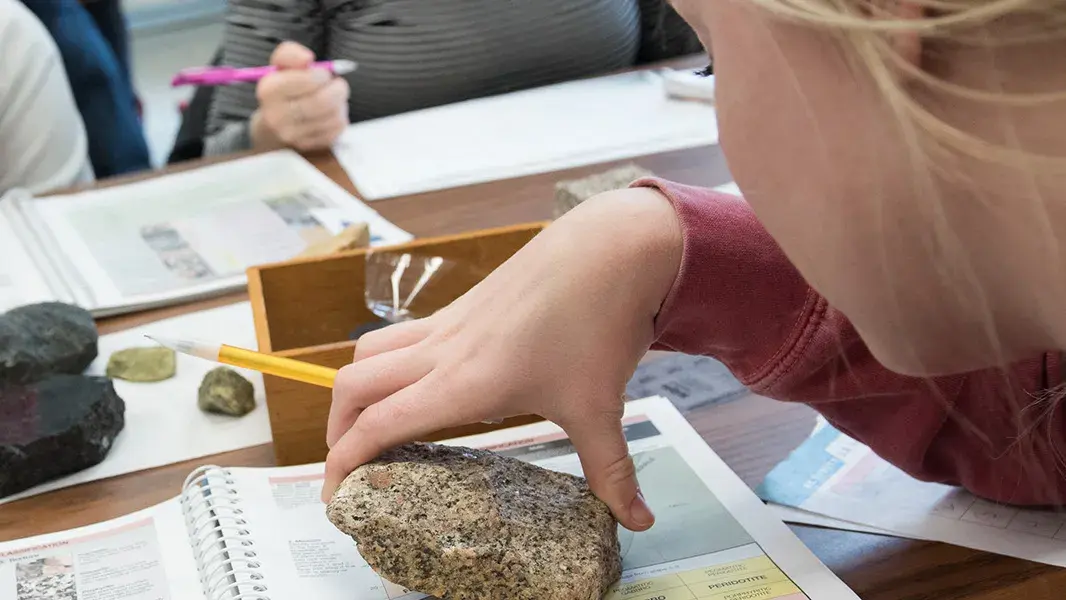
(609, 469)
(290, 55)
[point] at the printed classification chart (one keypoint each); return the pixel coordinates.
(967, 508)
(748, 579)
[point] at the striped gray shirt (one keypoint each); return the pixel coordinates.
(414, 54)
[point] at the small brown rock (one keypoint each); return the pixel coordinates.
(143, 365)
(467, 524)
(225, 391)
(353, 237)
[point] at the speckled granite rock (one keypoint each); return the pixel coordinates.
(56, 426)
(570, 193)
(42, 339)
(464, 524)
(143, 365)
(226, 392)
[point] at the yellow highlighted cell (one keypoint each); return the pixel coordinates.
(677, 593)
(771, 591)
(734, 569)
(644, 588)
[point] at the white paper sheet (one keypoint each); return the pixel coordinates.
(163, 423)
(535, 131)
(729, 188)
(833, 475)
(190, 234)
(799, 516)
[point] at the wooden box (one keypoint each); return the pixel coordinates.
(307, 308)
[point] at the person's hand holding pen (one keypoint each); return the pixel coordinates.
(556, 331)
(299, 107)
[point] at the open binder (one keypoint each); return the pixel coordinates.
(173, 238)
(262, 534)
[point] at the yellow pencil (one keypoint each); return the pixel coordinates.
(264, 363)
(257, 361)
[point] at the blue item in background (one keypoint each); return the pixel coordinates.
(92, 41)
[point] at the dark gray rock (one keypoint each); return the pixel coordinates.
(366, 328)
(54, 427)
(43, 339)
(464, 524)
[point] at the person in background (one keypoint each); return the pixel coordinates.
(411, 55)
(897, 262)
(43, 144)
(92, 41)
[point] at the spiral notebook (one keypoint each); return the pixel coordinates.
(262, 534)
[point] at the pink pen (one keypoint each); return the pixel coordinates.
(231, 75)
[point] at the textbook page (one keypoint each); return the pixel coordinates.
(833, 475)
(540, 130)
(163, 423)
(142, 556)
(192, 233)
(712, 539)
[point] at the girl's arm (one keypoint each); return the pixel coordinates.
(736, 297)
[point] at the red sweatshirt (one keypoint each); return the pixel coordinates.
(738, 299)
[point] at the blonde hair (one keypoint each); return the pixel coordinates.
(866, 28)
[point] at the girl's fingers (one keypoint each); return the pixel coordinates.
(604, 453)
(393, 337)
(411, 413)
(362, 384)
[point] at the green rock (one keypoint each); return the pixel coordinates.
(143, 365)
(225, 391)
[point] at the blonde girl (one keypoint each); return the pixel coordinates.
(896, 263)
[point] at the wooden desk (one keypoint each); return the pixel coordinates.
(751, 434)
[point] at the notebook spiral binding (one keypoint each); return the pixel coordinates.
(222, 544)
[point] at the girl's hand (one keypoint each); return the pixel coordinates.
(301, 108)
(556, 331)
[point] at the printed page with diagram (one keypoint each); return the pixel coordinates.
(713, 538)
(836, 476)
(142, 556)
(188, 234)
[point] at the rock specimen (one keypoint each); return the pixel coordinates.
(353, 237)
(225, 391)
(465, 524)
(56, 426)
(569, 194)
(41, 339)
(142, 364)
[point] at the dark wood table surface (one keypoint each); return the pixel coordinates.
(751, 434)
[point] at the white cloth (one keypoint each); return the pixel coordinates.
(43, 144)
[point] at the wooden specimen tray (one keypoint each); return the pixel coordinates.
(307, 308)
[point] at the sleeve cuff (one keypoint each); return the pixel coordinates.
(736, 296)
